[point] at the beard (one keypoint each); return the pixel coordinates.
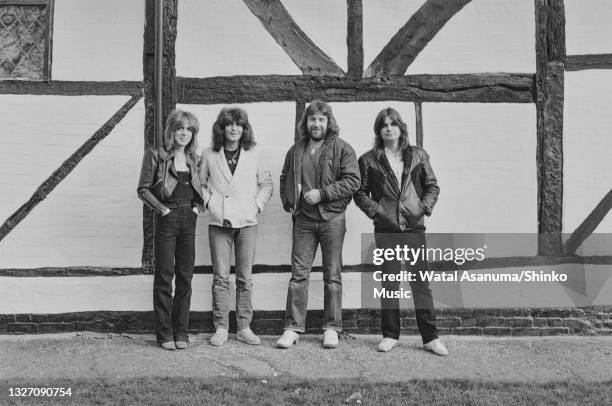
(317, 137)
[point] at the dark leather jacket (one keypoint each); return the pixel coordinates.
(393, 207)
(158, 178)
(337, 176)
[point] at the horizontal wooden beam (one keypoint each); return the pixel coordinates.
(487, 263)
(299, 47)
(71, 88)
(586, 228)
(412, 38)
(583, 62)
(469, 88)
(24, 2)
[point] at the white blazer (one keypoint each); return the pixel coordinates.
(238, 197)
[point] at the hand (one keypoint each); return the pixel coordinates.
(166, 212)
(196, 211)
(313, 197)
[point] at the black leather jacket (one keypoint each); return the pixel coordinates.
(393, 207)
(158, 178)
(337, 176)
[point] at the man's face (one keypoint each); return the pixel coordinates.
(390, 131)
(316, 125)
(182, 136)
(233, 132)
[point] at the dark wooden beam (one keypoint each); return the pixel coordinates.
(582, 62)
(300, 107)
(168, 99)
(71, 88)
(586, 228)
(24, 2)
(67, 166)
(354, 37)
(308, 57)
(472, 88)
(412, 38)
(550, 68)
(487, 263)
(418, 113)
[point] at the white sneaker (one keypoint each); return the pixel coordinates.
(220, 337)
(437, 347)
(387, 344)
(330, 338)
(246, 335)
(287, 340)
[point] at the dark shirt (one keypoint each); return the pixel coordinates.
(183, 193)
(309, 182)
(232, 159)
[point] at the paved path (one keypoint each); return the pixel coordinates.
(537, 359)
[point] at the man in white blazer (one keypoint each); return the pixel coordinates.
(236, 186)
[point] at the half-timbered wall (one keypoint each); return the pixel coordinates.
(483, 147)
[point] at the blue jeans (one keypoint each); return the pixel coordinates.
(307, 235)
(221, 240)
(174, 257)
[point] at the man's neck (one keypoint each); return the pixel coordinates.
(231, 146)
(392, 147)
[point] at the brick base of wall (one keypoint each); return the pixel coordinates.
(596, 320)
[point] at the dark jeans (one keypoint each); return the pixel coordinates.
(174, 257)
(421, 294)
(243, 240)
(307, 235)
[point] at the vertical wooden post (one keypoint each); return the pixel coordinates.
(550, 60)
(300, 106)
(418, 112)
(170, 11)
(354, 38)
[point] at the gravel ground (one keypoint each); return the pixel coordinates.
(486, 359)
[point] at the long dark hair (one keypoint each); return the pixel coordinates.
(177, 119)
(379, 123)
(228, 116)
(318, 106)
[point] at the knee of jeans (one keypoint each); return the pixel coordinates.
(244, 282)
(220, 280)
(333, 279)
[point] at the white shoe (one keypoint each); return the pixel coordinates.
(387, 344)
(246, 335)
(287, 340)
(220, 337)
(330, 338)
(437, 347)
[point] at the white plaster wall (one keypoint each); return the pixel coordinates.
(587, 26)
(133, 293)
(587, 145)
(98, 40)
(93, 217)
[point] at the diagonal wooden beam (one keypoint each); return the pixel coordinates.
(410, 40)
(299, 47)
(586, 228)
(67, 166)
(354, 37)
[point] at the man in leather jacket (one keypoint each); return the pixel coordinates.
(398, 188)
(319, 177)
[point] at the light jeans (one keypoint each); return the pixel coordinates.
(221, 240)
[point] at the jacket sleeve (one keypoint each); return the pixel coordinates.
(265, 187)
(283, 180)
(146, 182)
(362, 197)
(349, 179)
(431, 190)
(204, 179)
